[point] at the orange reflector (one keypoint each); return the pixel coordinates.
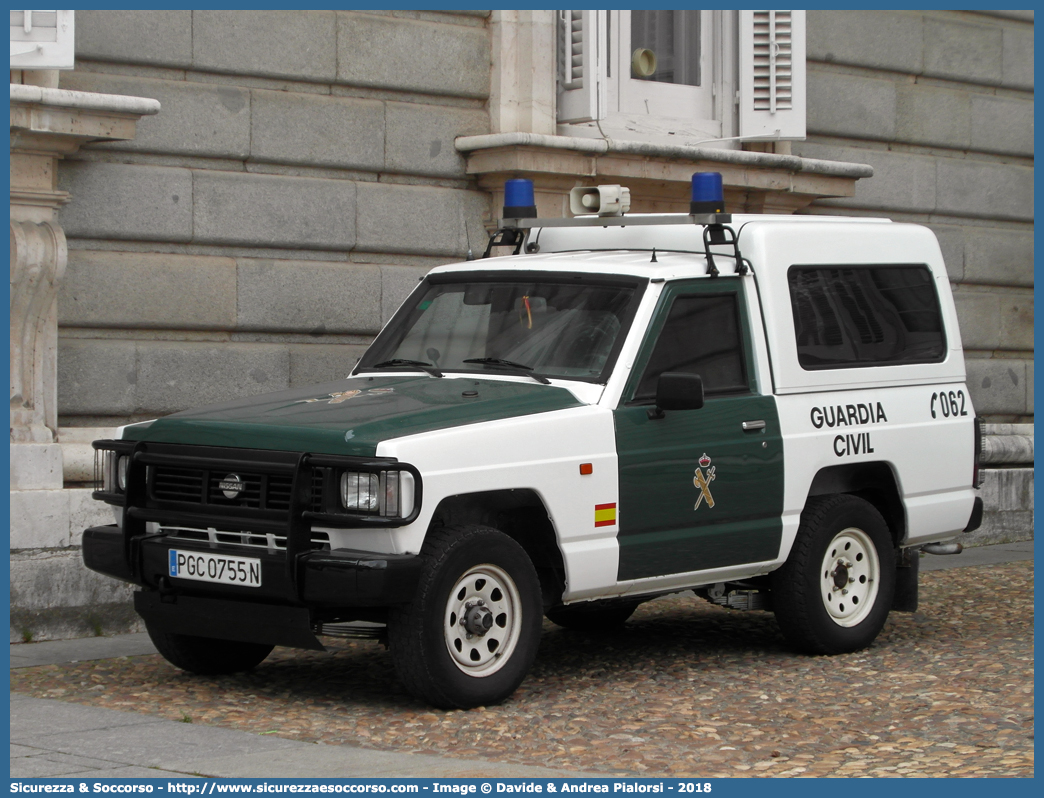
(586, 468)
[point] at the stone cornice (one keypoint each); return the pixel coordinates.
(658, 175)
(789, 163)
(83, 100)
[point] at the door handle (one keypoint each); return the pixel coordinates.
(753, 425)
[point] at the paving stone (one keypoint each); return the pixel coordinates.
(295, 44)
(160, 38)
(111, 200)
(308, 296)
(433, 57)
(273, 211)
(317, 130)
(198, 119)
(133, 289)
(683, 689)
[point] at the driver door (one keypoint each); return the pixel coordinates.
(699, 489)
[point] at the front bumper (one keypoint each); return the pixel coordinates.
(338, 579)
(284, 610)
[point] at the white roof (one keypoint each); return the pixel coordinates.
(628, 249)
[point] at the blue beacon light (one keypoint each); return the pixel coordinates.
(708, 196)
(519, 202)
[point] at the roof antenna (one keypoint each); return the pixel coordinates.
(467, 234)
(654, 256)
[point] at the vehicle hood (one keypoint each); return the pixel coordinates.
(352, 416)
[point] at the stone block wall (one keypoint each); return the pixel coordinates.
(299, 179)
(254, 235)
(940, 103)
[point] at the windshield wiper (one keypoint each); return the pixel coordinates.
(496, 361)
(419, 364)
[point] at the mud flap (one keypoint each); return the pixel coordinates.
(907, 567)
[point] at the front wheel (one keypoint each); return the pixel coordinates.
(207, 656)
(834, 592)
(471, 633)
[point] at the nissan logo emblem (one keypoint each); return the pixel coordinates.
(232, 485)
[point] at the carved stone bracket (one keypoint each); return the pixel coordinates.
(46, 125)
(38, 259)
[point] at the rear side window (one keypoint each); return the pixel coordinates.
(865, 316)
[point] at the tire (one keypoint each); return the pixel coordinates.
(471, 575)
(834, 592)
(600, 617)
(208, 656)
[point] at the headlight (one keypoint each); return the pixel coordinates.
(359, 491)
(108, 472)
(121, 472)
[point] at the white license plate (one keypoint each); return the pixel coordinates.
(215, 568)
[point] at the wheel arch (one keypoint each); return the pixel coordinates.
(875, 482)
(520, 514)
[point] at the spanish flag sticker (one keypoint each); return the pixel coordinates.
(605, 514)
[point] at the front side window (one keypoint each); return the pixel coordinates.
(701, 336)
(570, 329)
(865, 316)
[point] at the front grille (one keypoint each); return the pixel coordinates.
(254, 540)
(259, 491)
(177, 484)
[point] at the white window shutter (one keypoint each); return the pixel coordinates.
(581, 66)
(42, 39)
(772, 74)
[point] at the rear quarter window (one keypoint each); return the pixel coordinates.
(858, 316)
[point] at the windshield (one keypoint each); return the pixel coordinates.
(555, 327)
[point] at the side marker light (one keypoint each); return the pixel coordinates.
(586, 469)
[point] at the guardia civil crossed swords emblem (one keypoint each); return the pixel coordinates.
(703, 480)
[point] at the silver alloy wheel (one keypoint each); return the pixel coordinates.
(483, 620)
(849, 577)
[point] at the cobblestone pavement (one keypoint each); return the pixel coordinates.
(685, 689)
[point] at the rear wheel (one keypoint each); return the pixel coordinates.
(208, 656)
(835, 590)
(471, 633)
(592, 617)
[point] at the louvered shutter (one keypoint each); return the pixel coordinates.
(42, 39)
(581, 66)
(772, 74)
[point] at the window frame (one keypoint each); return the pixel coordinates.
(845, 366)
(699, 287)
(383, 341)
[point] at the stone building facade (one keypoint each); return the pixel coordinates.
(306, 168)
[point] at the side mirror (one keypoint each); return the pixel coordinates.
(677, 391)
